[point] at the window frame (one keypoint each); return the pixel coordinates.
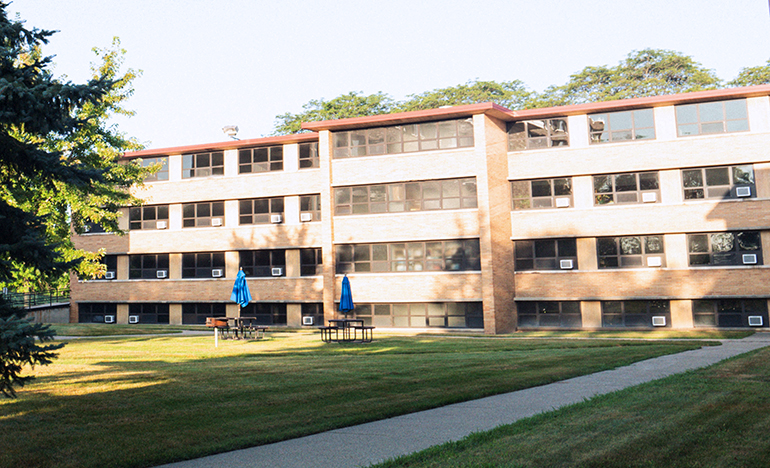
(627, 260)
(733, 257)
(203, 264)
(275, 205)
(199, 311)
(537, 202)
(721, 191)
(699, 123)
(308, 155)
(199, 218)
(138, 219)
(526, 251)
(540, 314)
(311, 262)
(193, 166)
(310, 204)
(635, 318)
(149, 311)
(596, 131)
(611, 197)
(95, 311)
(403, 257)
(248, 261)
(162, 174)
(145, 270)
(270, 161)
(421, 314)
(723, 317)
(555, 134)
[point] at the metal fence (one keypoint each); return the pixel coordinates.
(35, 299)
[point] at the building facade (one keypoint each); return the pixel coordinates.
(640, 213)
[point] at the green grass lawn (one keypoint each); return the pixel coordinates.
(715, 417)
(143, 401)
(102, 329)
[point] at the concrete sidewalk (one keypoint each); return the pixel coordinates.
(375, 442)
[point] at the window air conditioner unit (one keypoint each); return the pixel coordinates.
(216, 221)
(654, 261)
(565, 264)
(161, 225)
(276, 218)
(110, 275)
(749, 259)
(562, 202)
(755, 320)
(649, 197)
(160, 274)
(277, 271)
(133, 319)
(307, 320)
(217, 273)
(658, 321)
(742, 191)
(109, 319)
(305, 217)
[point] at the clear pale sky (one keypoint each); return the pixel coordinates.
(208, 63)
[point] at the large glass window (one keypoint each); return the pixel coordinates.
(712, 117)
(451, 255)
(203, 165)
(564, 314)
(427, 195)
(203, 265)
(308, 155)
(148, 313)
(546, 254)
(264, 159)
(162, 173)
(541, 193)
(536, 134)
(725, 248)
(266, 313)
(630, 252)
(310, 208)
(97, 312)
(111, 264)
(614, 189)
(637, 314)
(261, 211)
(203, 214)
(150, 266)
(196, 313)
(719, 182)
(730, 313)
(422, 315)
(263, 263)
(148, 217)
(397, 139)
(310, 262)
(622, 126)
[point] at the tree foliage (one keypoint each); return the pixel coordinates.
(751, 76)
(59, 167)
(509, 94)
(345, 106)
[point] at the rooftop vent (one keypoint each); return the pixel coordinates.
(231, 131)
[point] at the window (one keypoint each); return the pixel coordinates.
(308, 155)
(451, 255)
(316, 311)
(638, 314)
(404, 138)
(310, 262)
(111, 263)
(422, 315)
(203, 265)
(622, 126)
(203, 165)
(729, 312)
(630, 252)
(448, 194)
(536, 134)
(541, 193)
(149, 313)
(261, 211)
(546, 254)
(148, 266)
(725, 248)
(564, 314)
(712, 117)
(195, 314)
(96, 312)
(148, 217)
(265, 159)
(719, 182)
(266, 313)
(162, 174)
(310, 208)
(626, 188)
(90, 227)
(203, 214)
(263, 263)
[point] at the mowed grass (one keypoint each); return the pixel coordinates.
(103, 329)
(144, 401)
(715, 417)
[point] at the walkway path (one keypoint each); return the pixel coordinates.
(377, 441)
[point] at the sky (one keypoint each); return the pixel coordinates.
(207, 64)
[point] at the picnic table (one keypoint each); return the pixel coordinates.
(347, 331)
(237, 327)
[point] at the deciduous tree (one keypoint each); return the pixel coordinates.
(344, 106)
(513, 95)
(750, 76)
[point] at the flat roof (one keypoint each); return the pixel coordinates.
(225, 145)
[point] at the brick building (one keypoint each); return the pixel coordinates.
(643, 213)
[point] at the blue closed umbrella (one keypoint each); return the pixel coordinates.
(241, 293)
(346, 297)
